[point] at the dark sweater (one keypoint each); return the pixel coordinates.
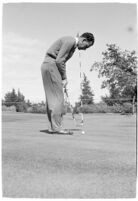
(60, 52)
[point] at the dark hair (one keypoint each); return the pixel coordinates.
(89, 37)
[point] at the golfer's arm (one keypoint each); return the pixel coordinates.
(62, 58)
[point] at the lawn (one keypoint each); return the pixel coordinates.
(99, 164)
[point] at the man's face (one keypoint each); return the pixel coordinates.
(83, 44)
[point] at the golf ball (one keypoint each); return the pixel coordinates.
(83, 132)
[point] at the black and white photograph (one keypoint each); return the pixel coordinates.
(69, 99)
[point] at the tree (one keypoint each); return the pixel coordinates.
(119, 70)
(87, 94)
(21, 106)
(3, 102)
(11, 98)
(18, 100)
(29, 104)
(20, 96)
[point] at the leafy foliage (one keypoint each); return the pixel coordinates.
(87, 94)
(11, 98)
(15, 99)
(102, 107)
(119, 70)
(18, 102)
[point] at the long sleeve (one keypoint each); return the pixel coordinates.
(63, 56)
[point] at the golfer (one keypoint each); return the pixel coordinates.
(54, 76)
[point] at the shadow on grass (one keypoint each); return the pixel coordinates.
(48, 132)
(45, 131)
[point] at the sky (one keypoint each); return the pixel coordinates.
(28, 29)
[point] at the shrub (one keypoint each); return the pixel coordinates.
(123, 109)
(21, 107)
(8, 109)
(85, 109)
(37, 109)
(95, 108)
(116, 108)
(104, 108)
(127, 108)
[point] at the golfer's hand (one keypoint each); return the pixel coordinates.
(64, 83)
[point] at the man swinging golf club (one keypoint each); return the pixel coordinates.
(54, 76)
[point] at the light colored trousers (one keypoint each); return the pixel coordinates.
(54, 94)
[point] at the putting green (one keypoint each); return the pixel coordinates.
(99, 164)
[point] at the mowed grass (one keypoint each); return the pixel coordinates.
(99, 164)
